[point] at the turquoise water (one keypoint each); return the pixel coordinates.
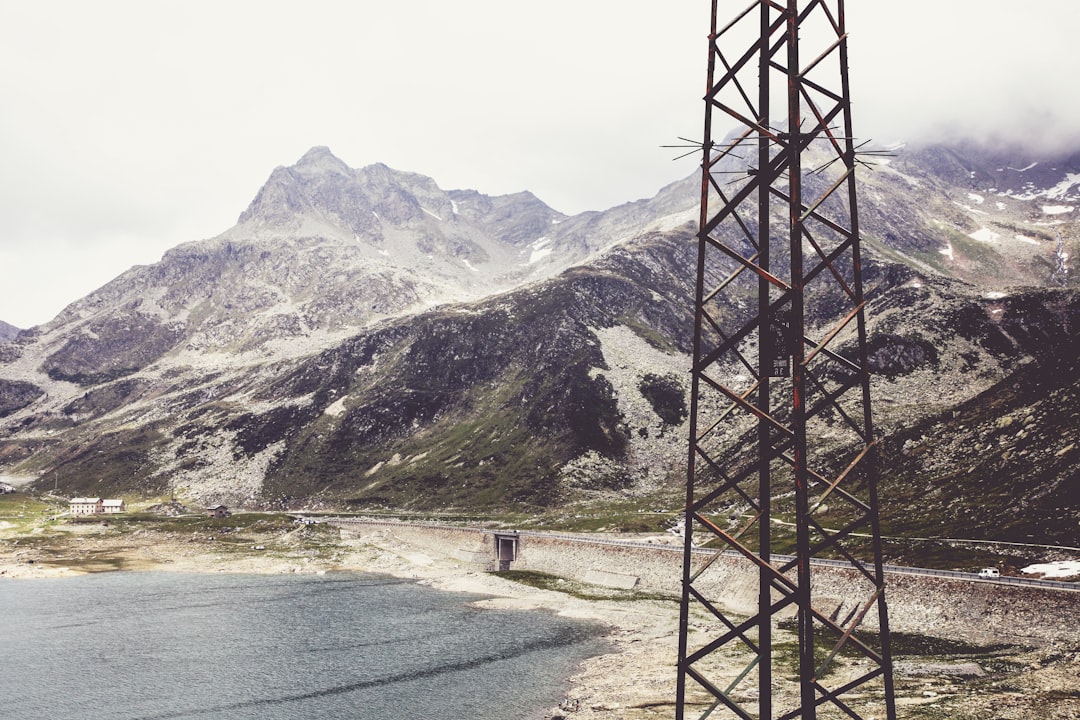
(221, 646)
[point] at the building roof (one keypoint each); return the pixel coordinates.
(83, 501)
(113, 502)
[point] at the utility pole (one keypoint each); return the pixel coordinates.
(782, 455)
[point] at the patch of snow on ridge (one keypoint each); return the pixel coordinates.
(430, 213)
(995, 295)
(984, 235)
(969, 208)
(540, 250)
(947, 251)
(1058, 569)
(1071, 181)
(538, 255)
(1026, 239)
(1057, 209)
(1024, 169)
(977, 199)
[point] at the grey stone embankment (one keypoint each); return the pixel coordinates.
(969, 611)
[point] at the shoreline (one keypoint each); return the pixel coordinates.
(638, 673)
(634, 681)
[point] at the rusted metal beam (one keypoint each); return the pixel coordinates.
(756, 234)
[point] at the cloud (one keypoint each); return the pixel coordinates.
(130, 127)
(988, 69)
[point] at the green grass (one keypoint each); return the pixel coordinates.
(647, 334)
(22, 512)
(52, 543)
(580, 590)
(646, 513)
(915, 645)
(256, 523)
(16, 505)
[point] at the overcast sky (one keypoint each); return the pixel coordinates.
(130, 126)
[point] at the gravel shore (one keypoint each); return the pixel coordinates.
(637, 677)
(635, 681)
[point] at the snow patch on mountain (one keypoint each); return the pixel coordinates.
(984, 235)
(1057, 209)
(1057, 569)
(1071, 181)
(540, 250)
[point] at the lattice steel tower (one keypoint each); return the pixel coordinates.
(782, 452)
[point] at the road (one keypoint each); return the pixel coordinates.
(889, 569)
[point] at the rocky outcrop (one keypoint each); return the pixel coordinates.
(16, 394)
(111, 348)
(7, 332)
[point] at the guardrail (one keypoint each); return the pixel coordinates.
(893, 569)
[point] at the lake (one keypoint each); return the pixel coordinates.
(142, 645)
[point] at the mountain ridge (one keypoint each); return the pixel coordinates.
(472, 351)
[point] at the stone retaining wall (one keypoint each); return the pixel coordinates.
(957, 609)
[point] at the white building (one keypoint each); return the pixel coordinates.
(111, 507)
(85, 506)
(96, 506)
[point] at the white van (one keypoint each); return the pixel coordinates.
(989, 573)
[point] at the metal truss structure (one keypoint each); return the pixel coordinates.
(782, 453)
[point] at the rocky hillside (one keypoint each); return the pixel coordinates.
(7, 332)
(995, 217)
(363, 337)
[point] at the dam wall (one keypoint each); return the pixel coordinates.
(965, 610)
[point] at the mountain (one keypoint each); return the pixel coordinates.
(7, 332)
(996, 217)
(363, 337)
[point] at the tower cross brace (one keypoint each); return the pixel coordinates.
(782, 462)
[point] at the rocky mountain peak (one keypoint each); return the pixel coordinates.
(318, 184)
(321, 187)
(319, 160)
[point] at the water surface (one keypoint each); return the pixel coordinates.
(142, 645)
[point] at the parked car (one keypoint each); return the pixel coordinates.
(989, 573)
